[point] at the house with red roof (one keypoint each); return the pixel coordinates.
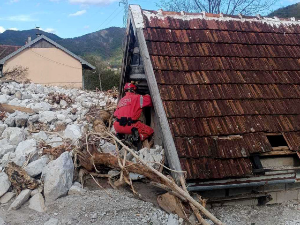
(226, 95)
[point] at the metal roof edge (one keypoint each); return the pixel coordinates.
(82, 61)
(169, 144)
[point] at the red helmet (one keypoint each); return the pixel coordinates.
(129, 86)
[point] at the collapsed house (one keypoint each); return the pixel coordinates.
(43, 61)
(226, 92)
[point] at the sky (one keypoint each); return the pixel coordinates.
(72, 18)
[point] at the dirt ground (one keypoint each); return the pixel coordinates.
(122, 207)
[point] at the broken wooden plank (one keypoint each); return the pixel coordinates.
(171, 204)
(278, 153)
(13, 108)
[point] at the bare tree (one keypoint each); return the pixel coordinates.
(231, 7)
(17, 73)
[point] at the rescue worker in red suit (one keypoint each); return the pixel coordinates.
(129, 110)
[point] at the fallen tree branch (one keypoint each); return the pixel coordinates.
(144, 169)
(171, 184)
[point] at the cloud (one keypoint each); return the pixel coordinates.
(19, 18)
(93, 2)
(13, 28)
(13, 1)
(86, 27)
(49, 30)
(78, 13)
(2, 29)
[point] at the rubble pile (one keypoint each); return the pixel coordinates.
(41, 129)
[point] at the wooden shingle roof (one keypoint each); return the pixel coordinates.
(225, 81)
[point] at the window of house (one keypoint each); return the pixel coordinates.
(277, 140)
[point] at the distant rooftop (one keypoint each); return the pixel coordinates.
(6, 50)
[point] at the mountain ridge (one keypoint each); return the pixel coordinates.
(106, 43)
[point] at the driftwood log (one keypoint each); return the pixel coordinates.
(92, 159)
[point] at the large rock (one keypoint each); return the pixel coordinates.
(21, 119)
(20, 200)
(4, 183)
(14, 135)
(58, 177)
(47, 117)
(41, 136)
(10, 121)
(36, 167)
(42, 106)
(7, 197)
(24, 149)
(73, 132)
(5, 147)
(37, 203)
(3, 99)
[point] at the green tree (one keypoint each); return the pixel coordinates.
(108, 77)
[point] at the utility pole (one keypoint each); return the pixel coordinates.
(125, 3)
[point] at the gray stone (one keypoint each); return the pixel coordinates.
(2, 128)
(5, 147)
(47, 117)
(6, 158)
(37, 203)
(2, 222)
(10, 121)
(14, 135)
(4, 183)
(3, 99)
(7, 197)
(58, 177)
(52, 221)
(42, 106)
(26, 96)
(54, 141)
(36, 167)
(63, 103)
(24, 149)
(73, 132)
(18, 95)
(61, 117)
(41, 136)
(20, 200)
(21, 120)
(5, 91)
(33, 118)
(75, 190)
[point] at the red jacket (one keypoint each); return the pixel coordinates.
(131, 105)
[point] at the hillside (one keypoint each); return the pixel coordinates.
(288, 12)
(105, 43)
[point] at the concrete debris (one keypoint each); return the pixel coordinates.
(76, 189)
(25, 149)
(72, 132)
(20, 200)
(36, 167)
(4, 183)
(37, 203)
(52, 221)
(154, 156)
(58, 177)
(2, 222)
(7, 197)
(13, 135)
